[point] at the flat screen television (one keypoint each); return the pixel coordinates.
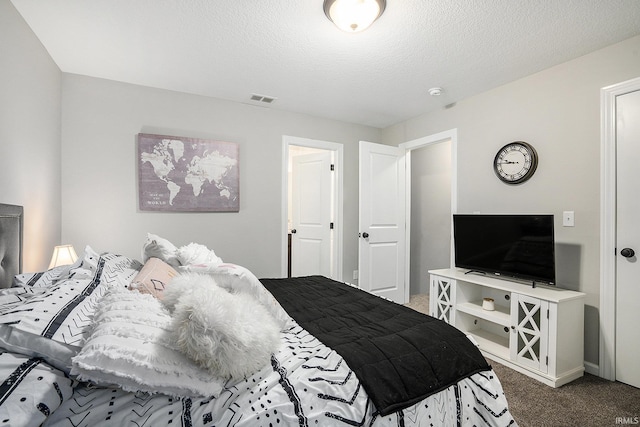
(514, 246)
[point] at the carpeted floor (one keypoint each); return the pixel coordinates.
(419, 303)
(588, 401)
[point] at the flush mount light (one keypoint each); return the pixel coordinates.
(353, 16)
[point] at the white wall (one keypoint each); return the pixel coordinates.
(558, 111)
(30, 85)
(100, 207)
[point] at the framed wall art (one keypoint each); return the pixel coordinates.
(178, 174)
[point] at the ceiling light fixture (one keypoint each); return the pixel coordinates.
(353, 16)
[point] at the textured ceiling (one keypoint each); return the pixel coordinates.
(288, 49)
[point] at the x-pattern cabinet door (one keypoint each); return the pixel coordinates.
(529, 331)
(442, 299)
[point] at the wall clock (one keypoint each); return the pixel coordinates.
(516, 162)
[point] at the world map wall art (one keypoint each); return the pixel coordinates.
(178, 174)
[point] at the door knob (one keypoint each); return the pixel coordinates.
(294, 231)
(365, 235)
(627, 253)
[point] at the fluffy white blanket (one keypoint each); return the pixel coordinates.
(230, 334)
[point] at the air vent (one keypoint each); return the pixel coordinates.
(262, 98)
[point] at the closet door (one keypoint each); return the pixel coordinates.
(627, 238)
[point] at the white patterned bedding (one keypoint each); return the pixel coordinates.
(305, 384)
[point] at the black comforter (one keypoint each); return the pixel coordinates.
(400, 356)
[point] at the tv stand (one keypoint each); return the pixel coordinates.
(538, 331)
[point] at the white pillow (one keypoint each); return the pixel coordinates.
(52, 322)
(231, 335)
(44, 278)
(131, 346)
(157, 247)
(238, 279)
(195, 253)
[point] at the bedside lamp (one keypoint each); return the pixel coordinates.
(63, 255)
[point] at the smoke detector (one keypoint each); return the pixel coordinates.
(435, 91)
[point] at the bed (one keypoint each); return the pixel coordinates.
(83, 345)
(10, 242)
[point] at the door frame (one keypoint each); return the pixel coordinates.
(448, 135)
(607, 362)
(338, 230)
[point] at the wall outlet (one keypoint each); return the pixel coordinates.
(355, 274)
(568, 219)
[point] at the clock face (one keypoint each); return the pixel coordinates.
(515, 162)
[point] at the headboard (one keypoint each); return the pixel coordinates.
(11, 223)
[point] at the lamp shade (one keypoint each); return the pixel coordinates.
(353, 16)
(63, 255)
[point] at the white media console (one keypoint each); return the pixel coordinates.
(538, 331)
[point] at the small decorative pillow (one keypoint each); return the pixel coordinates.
(153, 278)
(195, 253)
(231, 335)
(157, 247)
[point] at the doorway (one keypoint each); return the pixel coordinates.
(434, 172)
(312, 208)
(404, 262)
(430, 213)
(619, 296)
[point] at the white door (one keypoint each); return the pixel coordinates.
(381, 251)
(311, 215)
(628, 239)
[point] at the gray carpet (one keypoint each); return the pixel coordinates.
(587, 401)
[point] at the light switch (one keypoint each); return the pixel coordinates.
(568, 219)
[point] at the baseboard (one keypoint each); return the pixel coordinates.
(592, 368)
